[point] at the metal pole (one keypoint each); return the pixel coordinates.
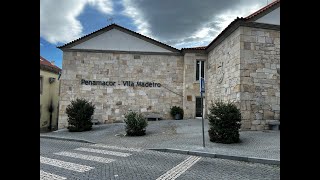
(202, 119)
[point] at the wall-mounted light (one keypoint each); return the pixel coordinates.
(59, 75)
(51, 79)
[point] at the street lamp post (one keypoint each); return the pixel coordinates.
(202, 90)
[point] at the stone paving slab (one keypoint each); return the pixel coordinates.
(185, 135)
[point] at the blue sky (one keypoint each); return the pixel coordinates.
(178, 23)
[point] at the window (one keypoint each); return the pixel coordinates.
(41, 84)
(136, 57)
(199, 70)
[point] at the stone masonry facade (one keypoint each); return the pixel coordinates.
(223, 79)
(260, 77)
(112, 102)
(243, 67)
(191, 88)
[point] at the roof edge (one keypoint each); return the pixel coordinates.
(234, 25)
(53, 66)
(49, 69)
(226, 32)
(125, 30)
(124, 52)
(263, 11)
(184, 51)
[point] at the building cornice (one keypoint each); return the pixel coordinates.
(124, 52)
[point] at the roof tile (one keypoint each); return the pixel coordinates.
(262, 9)
(196, 48)
(45, 62)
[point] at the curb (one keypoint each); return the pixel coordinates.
(222, 156)
(67, 139)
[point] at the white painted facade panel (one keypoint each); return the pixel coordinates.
(271, 18)
(119, 41)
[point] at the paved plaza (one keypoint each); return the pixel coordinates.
(182, 135)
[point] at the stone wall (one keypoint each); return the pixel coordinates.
(223, 71)
(112, 102)
(191, 86)
(260, 77)
(245, 69)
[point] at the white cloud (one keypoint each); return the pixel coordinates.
(202, 32)
(167, 20)
(41, 44)
(225, 18)
(58, 18)
(186, 23)
(130, 10)
(104, 6)
(208, 32)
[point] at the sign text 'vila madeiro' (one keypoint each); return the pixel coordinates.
(124, 83)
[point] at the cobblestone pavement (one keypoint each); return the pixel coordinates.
(73, 160)
(181, 134)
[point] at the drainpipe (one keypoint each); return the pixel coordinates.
(50, 109)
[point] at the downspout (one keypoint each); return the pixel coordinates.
(50, 109)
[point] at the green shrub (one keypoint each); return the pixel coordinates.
(136, 124)
(80, 113)
(176, 110)
(224, 123)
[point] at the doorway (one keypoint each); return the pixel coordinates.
(198, 107)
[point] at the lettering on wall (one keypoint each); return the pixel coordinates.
(124, 83)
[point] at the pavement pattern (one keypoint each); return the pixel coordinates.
(75, 160)
(180, 134)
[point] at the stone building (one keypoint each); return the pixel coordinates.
(49, 95)
(120, 70)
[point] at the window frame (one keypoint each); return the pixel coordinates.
(201, 70)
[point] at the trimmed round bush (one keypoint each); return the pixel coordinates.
(80, 113)
(224, 123)
(176, 110)
(136, 124)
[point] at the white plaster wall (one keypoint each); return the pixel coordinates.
(271, 18)
(119, 41)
